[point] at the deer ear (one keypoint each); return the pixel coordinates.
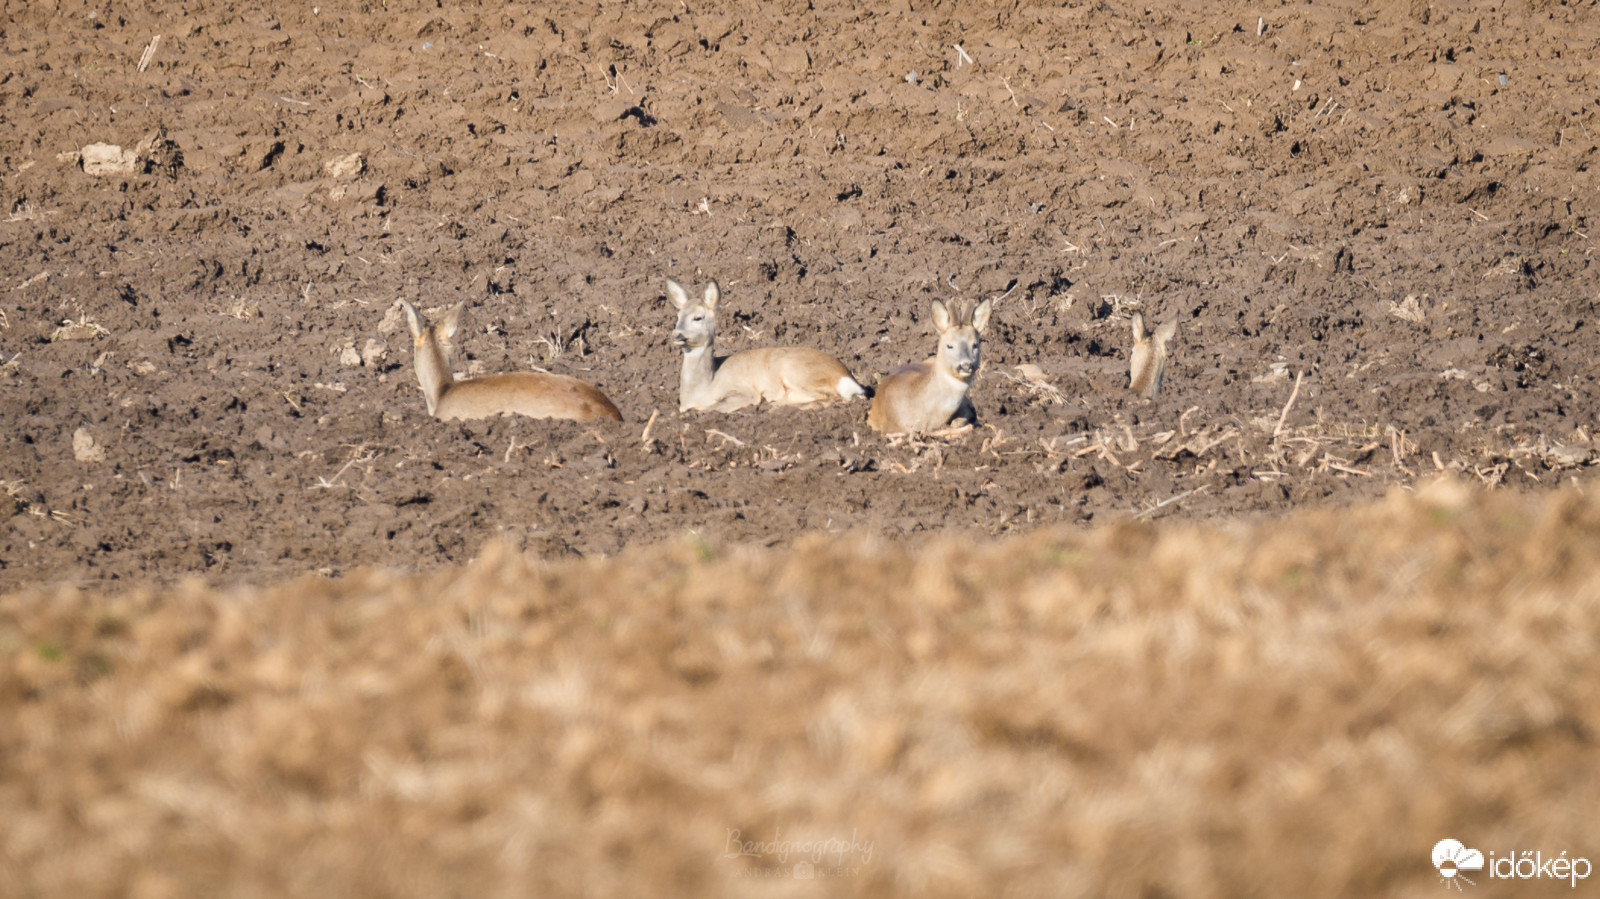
(1166, 332)
(941, 315)
(676, 294)
(452, 321)
(980, 315)
(713, 295)
(414, 320)
(1138, 327)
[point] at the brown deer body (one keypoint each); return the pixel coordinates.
(925, 396)
(534, 394)
(785, 376)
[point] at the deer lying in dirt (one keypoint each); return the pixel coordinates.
(787, 376)
(534, 394)
(925, 396)
(1148, 361)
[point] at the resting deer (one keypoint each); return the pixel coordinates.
(925, 396)
(534, 394)
(785, 376)
(1148, 361)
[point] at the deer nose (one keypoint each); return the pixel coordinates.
(679, 338)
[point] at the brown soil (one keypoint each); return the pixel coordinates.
(1394, 201)
(1295, 707)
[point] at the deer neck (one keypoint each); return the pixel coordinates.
(943, 379)
(433, 370)
(1142, 369)
(699, 370)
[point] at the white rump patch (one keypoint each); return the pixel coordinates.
(849, 389)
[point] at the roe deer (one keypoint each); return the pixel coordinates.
(534, 394)
(925, 396)
(786, 376)
(1148, 361)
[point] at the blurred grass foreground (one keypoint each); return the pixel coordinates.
(1301, 706)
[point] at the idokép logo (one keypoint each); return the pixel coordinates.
(1453, 859)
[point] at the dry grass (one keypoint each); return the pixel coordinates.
(82, 329)
(1291, 708)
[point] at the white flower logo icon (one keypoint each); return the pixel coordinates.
(1452, 858)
